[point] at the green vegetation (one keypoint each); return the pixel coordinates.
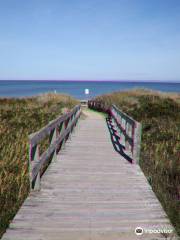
(159, 114)
(19, 118)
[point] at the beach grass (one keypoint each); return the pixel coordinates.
(159, 114)
(19, 118)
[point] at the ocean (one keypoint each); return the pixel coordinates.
(77, 88)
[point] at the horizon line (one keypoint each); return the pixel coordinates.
(92, 80)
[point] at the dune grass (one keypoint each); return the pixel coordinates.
(159, 114)
(19, 118)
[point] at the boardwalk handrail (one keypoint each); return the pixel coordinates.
(128, 128)
(58, 131)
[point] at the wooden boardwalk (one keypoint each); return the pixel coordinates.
(90, 193)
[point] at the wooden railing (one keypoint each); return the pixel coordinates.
(127, 128)
(58, 132)
(98, 105)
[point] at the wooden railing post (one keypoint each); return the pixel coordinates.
(35, 184)
(52, 140)
(137, 141)
(60, 131)
(127, 134)
(72, 119)
(67, 124)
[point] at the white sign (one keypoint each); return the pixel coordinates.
(86, 91)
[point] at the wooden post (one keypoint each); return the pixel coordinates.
(67, 124)
(126, 131)
(127, 144)
(62, 130)
(52, 139)
(137, 141)
(33, 158)
(71, 121)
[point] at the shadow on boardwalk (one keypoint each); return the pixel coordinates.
(115, 139)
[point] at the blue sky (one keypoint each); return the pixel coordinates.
(97, 39)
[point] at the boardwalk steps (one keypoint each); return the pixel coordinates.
(90, 192)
